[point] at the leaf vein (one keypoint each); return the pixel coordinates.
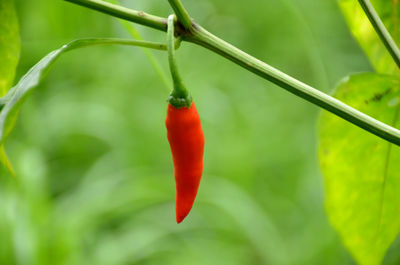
(385, 173)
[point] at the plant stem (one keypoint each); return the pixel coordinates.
(208, 40)
(113, 41)
(179, 96)
(181, 14)
(48, 60)
(124, 13)
(381, 30)
(203, 38)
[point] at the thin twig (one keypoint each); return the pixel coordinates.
(181, 14)
(124, 13)
(381, 30)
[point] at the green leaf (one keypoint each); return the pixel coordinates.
(361, 28)
(10, 48)
(9, 44)
(5, 161)
(362, 171)
(12, 101)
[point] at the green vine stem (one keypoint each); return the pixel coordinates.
(208, 40)
(91, 42)
(181, 13)
(381, 30)
(124, 13)
(179, 97)
(96, 42)
(204, 38)
(116, 41)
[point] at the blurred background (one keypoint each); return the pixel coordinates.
(95, 176)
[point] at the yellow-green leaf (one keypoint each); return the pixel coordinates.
(5, 161)
(361, 171)
(10, 48)
(9, 44)
(361, 28)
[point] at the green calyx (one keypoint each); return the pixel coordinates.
(180, 98)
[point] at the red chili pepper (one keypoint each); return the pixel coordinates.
(186, 140)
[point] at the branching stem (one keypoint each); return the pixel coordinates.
(204, 38)
(181, 13)
(208, 40)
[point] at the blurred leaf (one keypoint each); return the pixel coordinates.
(131, 29)
(9, 44)
(365, 34)
(362, 171)
(252, 221)
(13, 100)
(5, 161)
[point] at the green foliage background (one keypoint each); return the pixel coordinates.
(95, 178)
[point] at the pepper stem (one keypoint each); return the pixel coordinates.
(179, 96)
